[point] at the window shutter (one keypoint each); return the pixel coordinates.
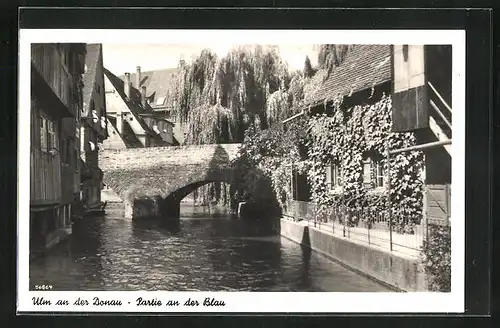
(367, 173)
(337, 181)
(328, 177)
(43, 135)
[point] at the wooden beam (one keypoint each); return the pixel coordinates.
(293, 117)
(421, 147)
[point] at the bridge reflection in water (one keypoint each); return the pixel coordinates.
(202, 252)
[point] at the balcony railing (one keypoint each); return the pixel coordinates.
(47, 60)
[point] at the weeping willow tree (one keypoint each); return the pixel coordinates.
(219, 98)
(331, 56)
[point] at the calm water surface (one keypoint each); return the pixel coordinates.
(203, 252)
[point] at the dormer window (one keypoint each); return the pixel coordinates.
(95, 118)
(92, 107)
(155, 129)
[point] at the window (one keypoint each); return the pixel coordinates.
(43, 134)
(333, 176)
(378, 167)
(373, 172)
(301, 190)
(51, 135)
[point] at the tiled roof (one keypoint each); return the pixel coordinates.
(91, 62)
(364, 66)
(157, 82)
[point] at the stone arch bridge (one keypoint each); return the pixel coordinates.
(152, 181)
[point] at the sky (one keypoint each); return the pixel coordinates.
(122, 58)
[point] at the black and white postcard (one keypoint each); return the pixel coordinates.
(241, 171)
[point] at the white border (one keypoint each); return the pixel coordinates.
(252, 301)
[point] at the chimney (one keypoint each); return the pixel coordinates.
(138, 77)
(143, 95)
(126, 86)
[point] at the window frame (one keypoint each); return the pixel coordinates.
(334, 176)
(43, 135)
(379, 176)
(377, 167)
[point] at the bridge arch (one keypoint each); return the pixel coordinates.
(153, 181)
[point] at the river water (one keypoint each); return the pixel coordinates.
(204, 252)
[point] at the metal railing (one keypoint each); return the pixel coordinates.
(366, 225)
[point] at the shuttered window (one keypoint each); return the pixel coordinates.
(328, 177)
(367, 173)
(333, 177)
(373, 173)
(379, 174)
(43, 134)
(51, 136)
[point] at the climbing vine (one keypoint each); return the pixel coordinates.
(349, 136)
(345, 137)
(436, 257)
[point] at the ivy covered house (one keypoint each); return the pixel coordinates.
(375, 102)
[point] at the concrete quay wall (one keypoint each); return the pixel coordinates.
(401, 273)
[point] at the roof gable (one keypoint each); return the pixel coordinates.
(157, 82)
(134, 103)
(364, 67)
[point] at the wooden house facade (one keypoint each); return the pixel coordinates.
(56, 105)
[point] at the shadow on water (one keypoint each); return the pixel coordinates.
(144, 226)
(305, 275)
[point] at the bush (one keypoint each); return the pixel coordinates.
(436, 254)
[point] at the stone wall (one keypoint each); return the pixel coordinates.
(403, 273)
(146, 174)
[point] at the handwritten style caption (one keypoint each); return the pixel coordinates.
(139, 302)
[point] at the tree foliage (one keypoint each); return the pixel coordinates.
(230, 93)
(309, 71)
(332, 55)
(436, 257)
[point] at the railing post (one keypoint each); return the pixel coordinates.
(344, 216)
(389, 210)
(369, 224)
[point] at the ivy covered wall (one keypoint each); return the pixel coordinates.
(347, 135)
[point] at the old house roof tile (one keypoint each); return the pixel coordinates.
(157, 83)
(89, 77)
(364, 67)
